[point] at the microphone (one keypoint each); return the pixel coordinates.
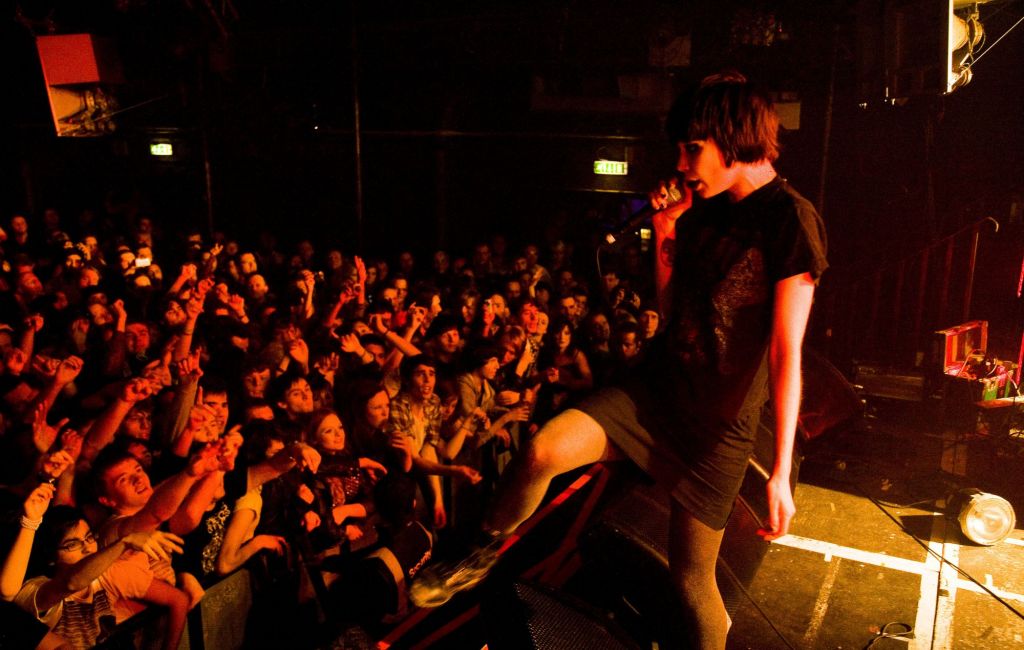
(673, 197)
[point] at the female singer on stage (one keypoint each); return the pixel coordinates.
(735, 273)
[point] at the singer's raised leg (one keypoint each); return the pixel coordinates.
(570, 440)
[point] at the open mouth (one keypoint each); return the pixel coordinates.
(693, 184)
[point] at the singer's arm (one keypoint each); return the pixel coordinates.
(665, 252)
(792, 307)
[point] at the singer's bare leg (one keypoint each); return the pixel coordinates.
(569, 440)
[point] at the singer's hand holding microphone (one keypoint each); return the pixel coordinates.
(666, 204)
(670, 200)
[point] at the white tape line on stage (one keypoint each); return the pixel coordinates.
(830, 550)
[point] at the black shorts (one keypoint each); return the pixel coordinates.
(701, 466)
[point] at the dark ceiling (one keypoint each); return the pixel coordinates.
(466, 101)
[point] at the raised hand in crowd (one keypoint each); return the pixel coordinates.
(203, 287)
(120, 314)
(417, 316)
(236, 303)
(202, 426)
(158, 372)
(350, 343)
(44, 435)
(79, 330)
(308, 281)
(34, 323)
(299, 351)
(38, 501)
(360, 269)
(189, 370)
(207, 460)
(44, 367)
(157, 544)
(68, 370)
(227, 447)
(327, 366)
(378, 325)
(296, 455)
(188, 272)
(55, 464)
(12, 575)
(71, 442)
(136, 390)
(14, 361)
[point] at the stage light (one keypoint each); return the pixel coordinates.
(984, 518)
(965, 35)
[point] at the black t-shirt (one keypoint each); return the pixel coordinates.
(729, 257)
(202, 545)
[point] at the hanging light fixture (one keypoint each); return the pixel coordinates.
(984, 518)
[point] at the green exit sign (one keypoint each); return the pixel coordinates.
(611, 167)
(161, 149)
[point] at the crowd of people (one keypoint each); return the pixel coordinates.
(177, 407)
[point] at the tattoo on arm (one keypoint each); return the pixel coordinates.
(667, 254)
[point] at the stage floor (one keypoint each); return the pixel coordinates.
(865, 546)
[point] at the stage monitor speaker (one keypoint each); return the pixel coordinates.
(79, 70)
(527, 616)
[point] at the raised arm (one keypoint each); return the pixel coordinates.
(193, 309)
(665, 239)
(154, 543)
(12, 576)
(64, 372)
(168, 496)
(297, 454)
(33, 324)
(103, 429)
(793, 298)
(209, 488)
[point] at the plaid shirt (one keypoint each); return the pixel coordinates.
(403, 420)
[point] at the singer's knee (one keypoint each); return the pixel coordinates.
(570, 440)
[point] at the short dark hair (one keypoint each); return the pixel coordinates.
(410, 364)
(108, 457)
(732, 111)
(213, 385)
(56, 524)
(280, 385)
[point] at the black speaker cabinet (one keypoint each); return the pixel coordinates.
(527, 616)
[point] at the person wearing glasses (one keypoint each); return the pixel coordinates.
(81, 591)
